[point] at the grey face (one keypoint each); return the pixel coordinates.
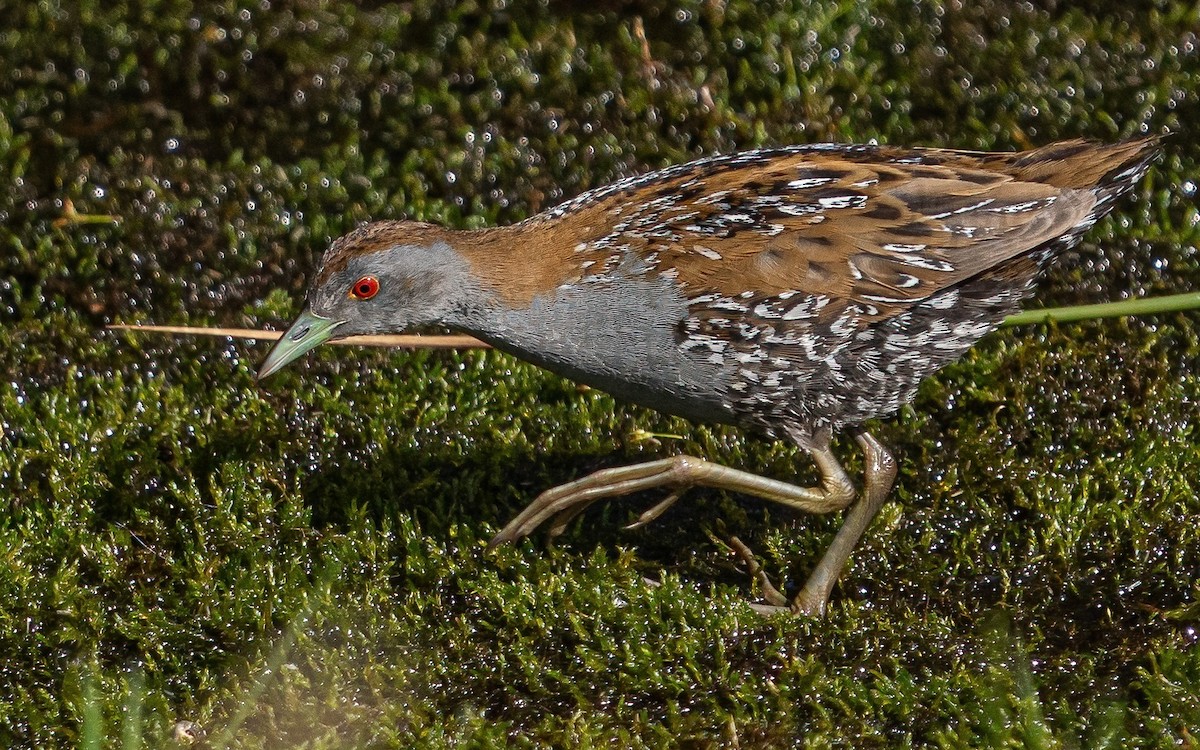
(385, 291)
(376, 293)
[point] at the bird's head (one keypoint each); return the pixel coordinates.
(385, 277)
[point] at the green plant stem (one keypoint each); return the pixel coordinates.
(1140, 306)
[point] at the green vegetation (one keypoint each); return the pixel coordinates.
(301, 564)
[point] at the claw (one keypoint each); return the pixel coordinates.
(774, 596)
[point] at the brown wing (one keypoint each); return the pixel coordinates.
(885, 235)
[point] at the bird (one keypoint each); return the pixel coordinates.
(794, 292)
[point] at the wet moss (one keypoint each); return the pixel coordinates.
(303, 563)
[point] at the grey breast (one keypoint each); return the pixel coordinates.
(618, 334)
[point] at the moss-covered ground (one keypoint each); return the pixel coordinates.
(300, 564)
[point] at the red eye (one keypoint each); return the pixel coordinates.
(365, 288)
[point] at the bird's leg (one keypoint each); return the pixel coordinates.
(878, 476)
(682, 472)
(563, 503)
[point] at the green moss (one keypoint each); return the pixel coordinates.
(302, 564)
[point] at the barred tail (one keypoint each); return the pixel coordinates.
(1109, 170)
